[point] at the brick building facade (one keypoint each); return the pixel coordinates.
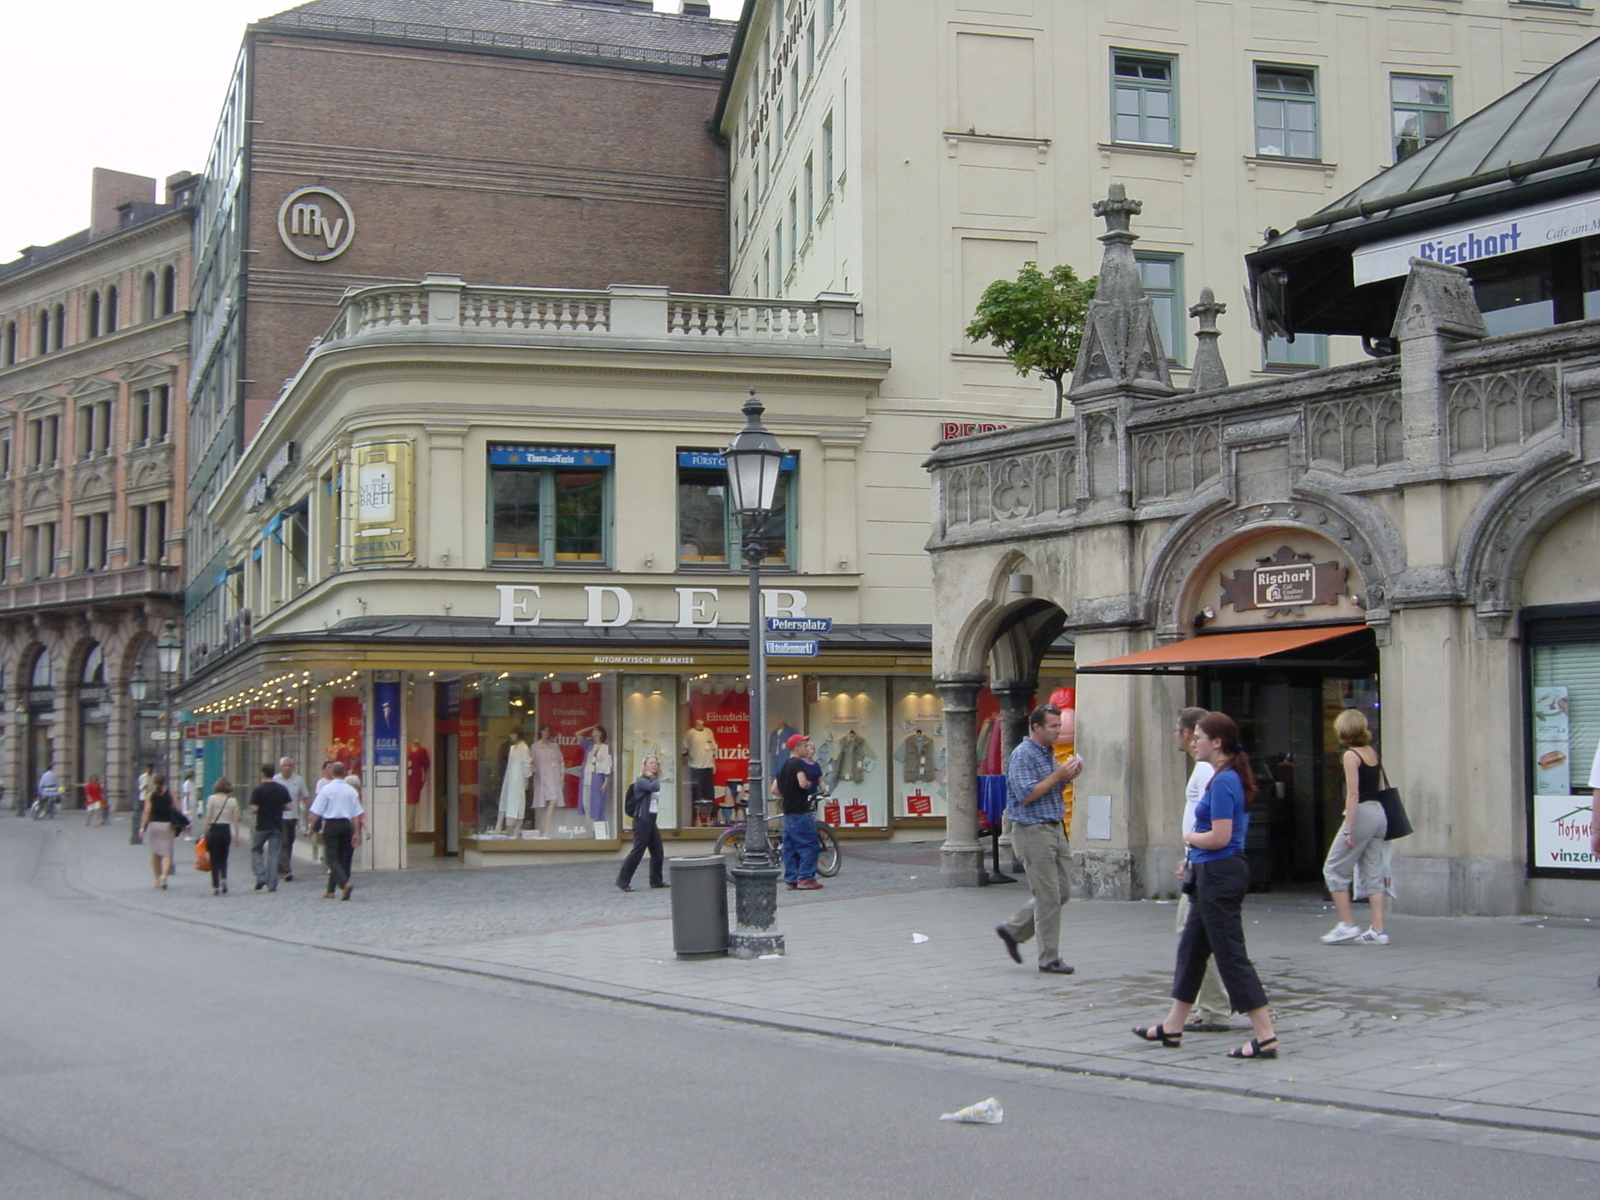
(554, 144)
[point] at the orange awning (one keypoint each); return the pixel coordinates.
(1258, 647)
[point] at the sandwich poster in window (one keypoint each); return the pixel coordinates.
(382, 530)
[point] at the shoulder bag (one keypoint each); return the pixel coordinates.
(1394, 810)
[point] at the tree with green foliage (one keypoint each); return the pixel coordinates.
(1037, 319)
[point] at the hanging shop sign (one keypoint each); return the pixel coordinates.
(384, 501)
(269, 718)
(1285, 580)
(237, 723)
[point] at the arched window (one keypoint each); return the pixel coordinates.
(94, 666)
(42, 334)
(111, 309)
(169, 291)
(59, 327)
(94, 315)
(147, 306)
(8, 343)
(43, 677)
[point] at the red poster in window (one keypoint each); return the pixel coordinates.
(918, 804)
(855, 814)
(346, 744)
(830, 812)
(569, 709)
(727, 715)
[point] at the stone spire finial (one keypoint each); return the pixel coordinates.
(1208, 369)
(1121, 342)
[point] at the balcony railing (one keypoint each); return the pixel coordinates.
(444, 305)
(95, 587)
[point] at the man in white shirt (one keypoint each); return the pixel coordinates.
(298, 793)
(338, 814)
(1212, 1007)
(186, 798)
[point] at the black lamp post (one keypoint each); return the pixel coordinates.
(169, 654)
(139, 692)
(754, 462)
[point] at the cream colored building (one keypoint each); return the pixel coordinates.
(910, 152)
(93, 360)
(478, 511)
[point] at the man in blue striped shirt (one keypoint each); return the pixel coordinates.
(1036, 809)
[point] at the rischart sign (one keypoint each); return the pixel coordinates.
(608, 606)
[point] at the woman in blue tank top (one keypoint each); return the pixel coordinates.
(1215, 928)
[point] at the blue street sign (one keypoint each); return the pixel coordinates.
(799, 624)
(806, 649)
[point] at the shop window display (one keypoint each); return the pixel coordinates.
(1563, 747)
(849, 727)
(649, 726)
(541, 734)
(919, 751)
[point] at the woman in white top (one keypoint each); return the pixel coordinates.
(221, 829)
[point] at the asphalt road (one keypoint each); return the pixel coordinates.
(146, 1057)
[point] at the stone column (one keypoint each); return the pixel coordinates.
(961, 857)
(1016, 702)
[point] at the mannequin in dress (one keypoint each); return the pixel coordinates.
(514, 788)
(549, 770)
(418, 765)
(596, 771)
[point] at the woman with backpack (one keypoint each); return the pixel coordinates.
(643, 804)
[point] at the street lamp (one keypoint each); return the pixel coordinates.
(139, 691)
(169, 653)
(754, 461)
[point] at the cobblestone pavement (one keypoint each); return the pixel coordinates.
(1468, 1019)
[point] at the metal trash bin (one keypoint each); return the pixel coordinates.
(699, 906)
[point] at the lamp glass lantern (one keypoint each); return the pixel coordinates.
(755, 461)
(139, 689)
(169, 650)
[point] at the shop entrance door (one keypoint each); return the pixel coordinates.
(1286, 720)
(446, 796)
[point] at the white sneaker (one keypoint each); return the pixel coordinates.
(1374, 937)
(1341, 933)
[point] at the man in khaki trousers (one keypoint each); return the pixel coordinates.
(1035, 806)
(1212, 1007)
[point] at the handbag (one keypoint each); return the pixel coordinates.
(202, 856)
(1188, 886)
(1394, 811)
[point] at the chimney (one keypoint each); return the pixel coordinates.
(181, 188)
(112, 190)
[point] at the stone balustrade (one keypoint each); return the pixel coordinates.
(89, 587)
(444, 305)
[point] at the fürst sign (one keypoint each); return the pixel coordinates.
(316, 223)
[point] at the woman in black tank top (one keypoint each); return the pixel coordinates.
(1359, 844)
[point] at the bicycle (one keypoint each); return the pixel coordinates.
(732, 839)
(45, 806)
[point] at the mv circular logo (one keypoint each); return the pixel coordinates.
(316, 223)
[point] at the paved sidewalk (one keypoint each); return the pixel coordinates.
(1467, 1019)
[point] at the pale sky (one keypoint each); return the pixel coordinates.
(134, 85)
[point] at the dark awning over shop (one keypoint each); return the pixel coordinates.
(1316, 647)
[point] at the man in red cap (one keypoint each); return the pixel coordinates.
(798, 785)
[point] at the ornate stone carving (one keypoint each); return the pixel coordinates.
(1501, 413)
(1362, 433)
(1176, 462)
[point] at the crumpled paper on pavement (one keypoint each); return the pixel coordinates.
(984, 1112)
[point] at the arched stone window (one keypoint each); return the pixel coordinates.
(94, 316)
(42, 333)
(169, 291)
(111, 309)
(8, 343)
(43, 676)
(147, 305)
(58, 327)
